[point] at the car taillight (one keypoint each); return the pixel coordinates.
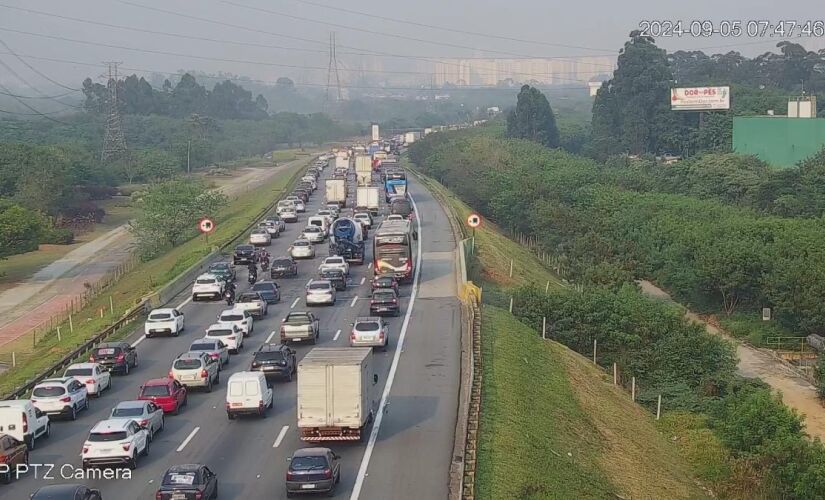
(144, 422)
(198, 495)
(214, 355)
(231, 338)
(25, 423)
(261, 404)
(126, 446)
(86, 448)
(395, 301)
(171, 375)
(372, 301)
(65, 399)
(328, 473)
(204, 374)
(91, 359)
(120, 357)
(352, 336)
(90, 381)
(256, 363)
(290, 476)
(381, 335)
(158, 496)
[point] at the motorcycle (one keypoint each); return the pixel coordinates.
(252, 278)
(229, 296)
(265, 264)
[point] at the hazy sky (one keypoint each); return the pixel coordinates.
(300, 46)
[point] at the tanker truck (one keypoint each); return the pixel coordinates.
(347, 240)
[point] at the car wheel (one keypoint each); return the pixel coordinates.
(48, 430)
(126, 369)
(146, 448)
(176, 411)
(135, 362)
(289, 376)
(73, 413)
(148, 335)
(218, 377)
(331, 492)
(30, 442)
(162, 423)
(132, 463)
(290, 494)
(230, 415)
(209, 386)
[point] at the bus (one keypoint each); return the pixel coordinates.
(395, 183)
(392, 250)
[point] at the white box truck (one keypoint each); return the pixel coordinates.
(341, 162)
(337, 393)
(336, 191)
(374, 132)
(409, 138)
(363, 170)
(368, 197)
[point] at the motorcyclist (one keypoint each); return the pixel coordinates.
(264, 260)
(229, 294)
(253, 273)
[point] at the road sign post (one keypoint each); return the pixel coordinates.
(206, 226)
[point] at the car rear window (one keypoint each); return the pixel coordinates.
(78, 372)
(155, 390)
(202, 346)
(180, 478)
(205, 281)
(103, 437)
(366, 326)
(243, 388)
(312, 229)
(187, 364)
(160, 317)
(48, 392)
(384, 296)
(335, 261)
(319, 286)
(269, 356)
(248, 297)
(127, 412)
(244, 248)
(220, 332)
(232, 317)
(107, 351)
(308, 463)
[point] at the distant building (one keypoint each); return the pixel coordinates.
(594, 88)
(558, 71)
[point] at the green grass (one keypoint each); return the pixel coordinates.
(753, 329)
(132, 287)
(553, 427)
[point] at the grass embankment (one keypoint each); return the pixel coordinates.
(552, 426)
(143, 280)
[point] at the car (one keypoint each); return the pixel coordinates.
(196, 369)
(116, 441)
(402, 207)
(384, 301)
(215, 348)
(383, 281)
(320, 292)
(300, 326)
(253, 303)
(146, 413)
(303, 194)
(188, 481)
(248, 393)
(369, 331)
(229, 334)
(274, 219)
(336, 277)
(313, 470)
(95, 376)
(270, 227)
(302, 249)
(224, 270)
(334, 208)
(66, 492)
(334, 262)
(209, 286)
(328, 214)
(14, 455)
(240, 318)
(314, 234)
(300, 206)
(269, 290)
(116, 356)
(289, 215)
(283, 267)
(260, 238)
(164, 322)
(20, 419)
(169, 394)
(284, 205)
(61, 396)
(275, 360)
(244, 254)
(319, 221)
(365, 218)
(394, 217)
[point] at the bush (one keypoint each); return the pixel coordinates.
(58, 236)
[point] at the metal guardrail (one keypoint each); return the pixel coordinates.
(141, 308)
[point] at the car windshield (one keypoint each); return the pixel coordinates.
(282, 263)
(205, 281)
(160, 317)
(335, 261)
(48, 392)
(128, 412)
(155, 390)
(319, 286)
(102, 437)
(219, 332)
(232, 317)
(202, 346)
(383, 296)
(298, 319)
(78, 372)
(308, 463)
(248, 297)
(269, 356)
(301, 244)
(180, 478)
(366, 326)
(187, 364)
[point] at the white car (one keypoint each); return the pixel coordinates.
(271, 227)
(230, 335)
(117, 441)
(364, 218)
(334, 208)
(95, 376)
(300, 206)
(302, 249)
(395, 217)
(164, 321)
(284, 205)
(289, 215)
(260, 237)
(320, 292)
(334, 262)
(311, 180)
(207, 285)
(22, 421)
(241, 319)
(326, 214)
(146, 413)
(60, 396)
(313, 234)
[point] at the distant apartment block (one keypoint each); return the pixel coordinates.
(551, 71)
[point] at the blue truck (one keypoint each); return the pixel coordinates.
(395, 183)
(346, 239)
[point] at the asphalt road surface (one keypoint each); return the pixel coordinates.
(407, 452)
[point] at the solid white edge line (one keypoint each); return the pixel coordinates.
(354, 300)
(363, 279)
(295, 302)
(336, 335)
(280, 436)
(376, 427)
(188, 300)
(188, 438)
(270, 337)
(139, 340)
(308, 282)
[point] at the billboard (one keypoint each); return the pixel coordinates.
(699, 98)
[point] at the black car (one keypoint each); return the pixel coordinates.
(283, 267)
(384, 301)
(188, 481)
(401, 207)
(305, 186)
(303, 195)
(313, 470)
(223, 270)
(244, 254)
(66, 492)
(116, 356)
(336, 277)
(275, 360)
(269, 291)
(383, 281)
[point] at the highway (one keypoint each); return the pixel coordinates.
(408, 451)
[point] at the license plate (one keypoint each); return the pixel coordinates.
(104, 450)
(190, 377)
(179, 496)
(308, 486)
(269, 368)
(296, 340)
(236, 404)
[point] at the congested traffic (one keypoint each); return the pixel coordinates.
(258, 333)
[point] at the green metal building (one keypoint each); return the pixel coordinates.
(778, 140)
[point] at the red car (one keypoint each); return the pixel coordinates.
(167, 393)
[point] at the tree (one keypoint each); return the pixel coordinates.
(170, 211)
(533, 118)
(284, 84)
(20, 229)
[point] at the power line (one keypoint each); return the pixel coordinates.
(35, 69)
(57, 96)
(26, 105)
(39, 113)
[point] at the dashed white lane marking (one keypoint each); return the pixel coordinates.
(270, 336)
(308, 282)
(294, 303)
(188, 438)
(336, 335)
(369, 266)
(354, 300)
(363, 279)
(280, 436)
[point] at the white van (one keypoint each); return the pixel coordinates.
(20, 419)
(248, 393)
(320, 221)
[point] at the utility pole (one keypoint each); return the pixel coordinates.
(332, 71)
(114, 141)
(188, 150)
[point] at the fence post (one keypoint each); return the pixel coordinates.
(511, 268)
(659, 407)
(544, 327)
(101, 311)
(111, 305)
(71, 325)
(633, 389)
(615, 375)
(58, 334)
(13, 359)
(547, 287)
(511, 305)
(594, 351)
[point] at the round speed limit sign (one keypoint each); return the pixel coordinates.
(474, 220)
(206, 226)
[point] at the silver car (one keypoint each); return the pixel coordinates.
(313, 234)
(195, 369)
(146, 413)
(302, 249)
(320, 292)
(216, 349)
(369, 331)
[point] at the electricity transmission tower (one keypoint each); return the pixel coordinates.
(114, 142)
(332, 70)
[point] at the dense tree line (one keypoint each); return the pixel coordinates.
(533, 118)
